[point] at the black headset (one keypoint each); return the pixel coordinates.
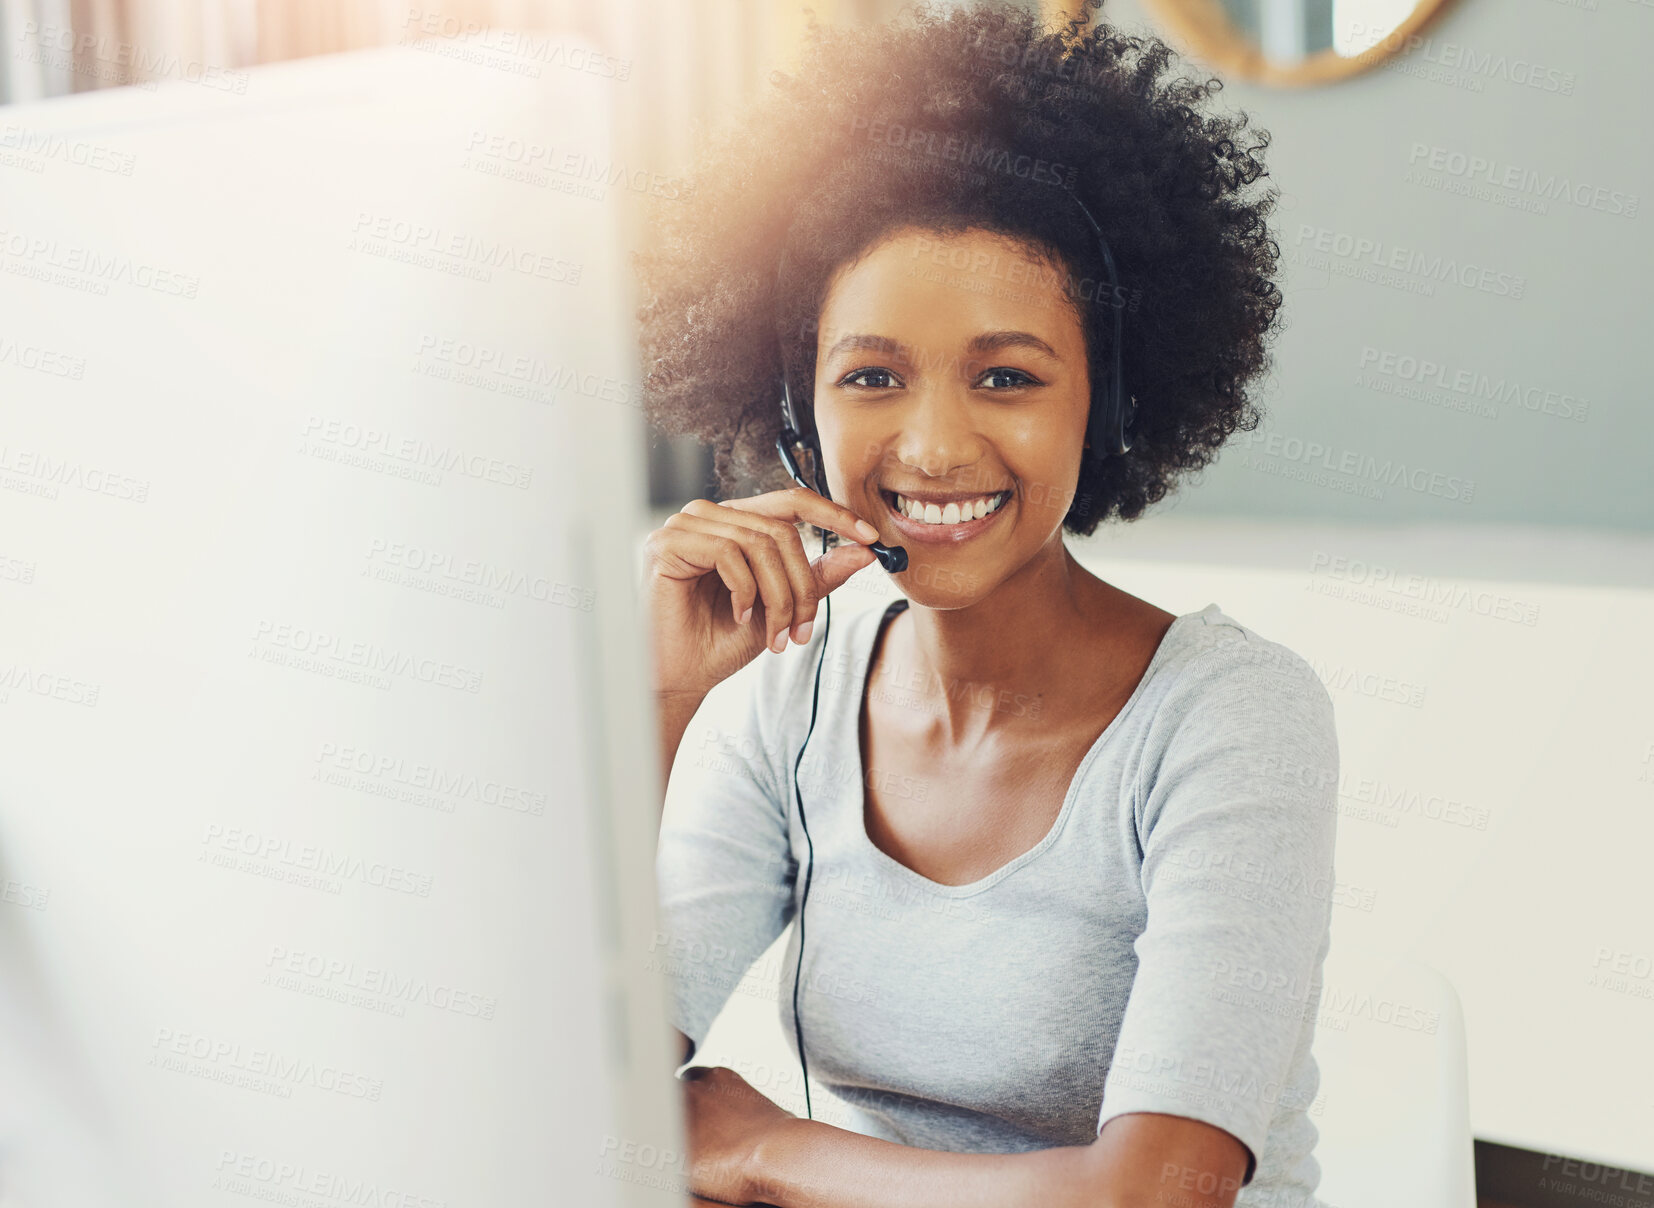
(1112, 415)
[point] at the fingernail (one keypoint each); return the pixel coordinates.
(802, 633)
(747, 615)
(867, 530)
(780, 642)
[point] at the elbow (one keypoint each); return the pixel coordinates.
(1137, 1163)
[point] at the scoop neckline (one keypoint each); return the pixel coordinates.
(894, 866)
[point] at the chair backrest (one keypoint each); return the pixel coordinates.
(1393, 1110)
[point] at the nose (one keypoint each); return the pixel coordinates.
(937, 432)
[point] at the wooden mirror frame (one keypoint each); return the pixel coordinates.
(1204, 28)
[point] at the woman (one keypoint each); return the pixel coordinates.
(1070, 853)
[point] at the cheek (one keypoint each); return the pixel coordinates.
(853, 451)
(1046, 466)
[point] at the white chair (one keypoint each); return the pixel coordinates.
(1394, 1107)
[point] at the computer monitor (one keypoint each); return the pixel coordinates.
(328, 788)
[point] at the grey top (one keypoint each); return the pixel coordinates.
(1160, 950)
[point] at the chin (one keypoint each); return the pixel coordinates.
(930, 584)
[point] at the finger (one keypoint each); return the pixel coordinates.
(767, 562)
(835, 568)
(790, 543)
(690, 554)
(737, 577)
(799, 503)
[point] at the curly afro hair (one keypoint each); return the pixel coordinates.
(972, 118)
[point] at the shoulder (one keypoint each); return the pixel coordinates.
(1230, 694)
(1220, 662)
(1242, 745)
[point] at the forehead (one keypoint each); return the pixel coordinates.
(920, 287)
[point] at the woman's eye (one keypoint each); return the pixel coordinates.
(883, 379)
(1009, 378)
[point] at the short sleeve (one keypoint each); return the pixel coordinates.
(1236, 822)
(723, 865)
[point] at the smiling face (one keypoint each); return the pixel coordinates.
(951, 386)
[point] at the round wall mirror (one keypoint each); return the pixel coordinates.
(1294, 42)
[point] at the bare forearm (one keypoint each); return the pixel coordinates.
(808, 1164)
(674, 709)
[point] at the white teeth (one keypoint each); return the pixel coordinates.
(952, 513)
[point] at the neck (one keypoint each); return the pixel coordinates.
(1011, 657)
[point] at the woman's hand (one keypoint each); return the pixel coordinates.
(711, 562)
(726, 1120)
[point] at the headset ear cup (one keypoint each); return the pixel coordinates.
(1128, 427)
(1116, 424)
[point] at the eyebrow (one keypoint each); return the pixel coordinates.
(988, 341)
